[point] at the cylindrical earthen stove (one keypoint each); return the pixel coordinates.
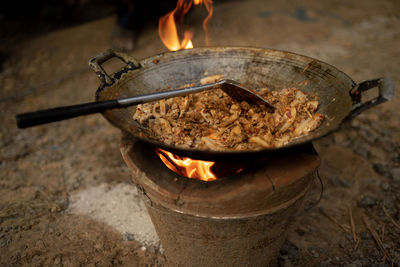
(240, 220)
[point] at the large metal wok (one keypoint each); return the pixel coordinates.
(339, 95)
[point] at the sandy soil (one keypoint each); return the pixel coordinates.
(46, 170)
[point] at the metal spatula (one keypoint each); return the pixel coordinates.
(232, 88)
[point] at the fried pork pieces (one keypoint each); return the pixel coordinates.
(212, 120)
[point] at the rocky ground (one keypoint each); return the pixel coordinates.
(45, 169)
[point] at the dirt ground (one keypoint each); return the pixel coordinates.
(357, 222)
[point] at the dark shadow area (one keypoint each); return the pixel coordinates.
(21, 20)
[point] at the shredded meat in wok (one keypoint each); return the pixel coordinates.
(212, 120)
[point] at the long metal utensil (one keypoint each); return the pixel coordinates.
(231, 87)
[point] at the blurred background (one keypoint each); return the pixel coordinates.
(45, 171)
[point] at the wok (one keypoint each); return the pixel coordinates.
(339, 96)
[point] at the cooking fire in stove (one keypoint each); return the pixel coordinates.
(197, 169)
(200, 169)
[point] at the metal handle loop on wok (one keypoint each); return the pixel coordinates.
(386, 92)
(96, 62)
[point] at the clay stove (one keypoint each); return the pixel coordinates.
(240, 220)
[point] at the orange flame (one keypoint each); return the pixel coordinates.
(196, 169)
(167, 26)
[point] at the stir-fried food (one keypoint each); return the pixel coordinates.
(213, 120)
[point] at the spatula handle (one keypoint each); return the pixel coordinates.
(30, 119)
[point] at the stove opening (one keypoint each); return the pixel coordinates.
(199, 169)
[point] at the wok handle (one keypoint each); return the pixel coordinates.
(386, 92)
(39, 117)
(96, 62)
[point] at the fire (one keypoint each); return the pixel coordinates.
(189, 45)
(167, 28)
(191, 168)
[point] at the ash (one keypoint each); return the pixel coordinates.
(118, 206)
